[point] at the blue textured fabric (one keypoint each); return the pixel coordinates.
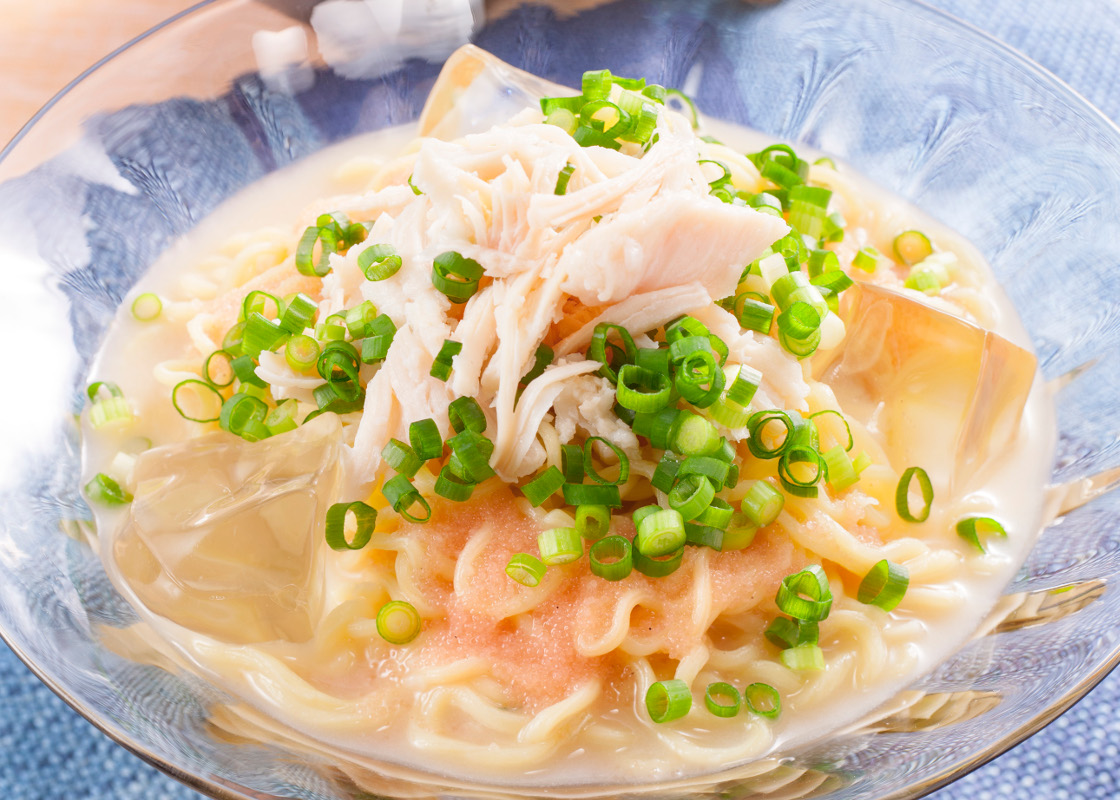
(47, 751)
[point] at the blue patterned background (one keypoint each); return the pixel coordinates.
(48, 752)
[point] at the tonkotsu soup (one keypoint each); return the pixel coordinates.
(567, 438)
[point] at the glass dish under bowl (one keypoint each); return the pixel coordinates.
(133, 154)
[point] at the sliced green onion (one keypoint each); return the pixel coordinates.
(234, 339)
(798, 484)
(328, 241)
(722, 699)
(244, 416)
(261, 334)
(543, 486)
(640, 514)
(526, 569)
(282, 418)
(108, 407)
(642, 390)
(466, 414)
(668, 700)
(379, 261)
(103, 489)
(821, 262)
(541, 359)
(970, 529)
(691, 495)
(757, 427)
(867, 259)
(559, 546)
(717, 515)
(359, 318)
(299, 314)
(338, 365)
(710, 467)
(740, 532)
(259, 302)
(571, 463)
(902, 495)
(147, 307)
(471, 452)
(665, 475)
(333, 328)
(449, 485)
(302, 353)
(245, 370)
(456, 276)
(424, 437)
(884, 586)
(703, 536)
(217, 369)
(805, 595)
(912, 247)
(402, 496)
(564, 176)
(762, 503)
(693, 435)
(379, 338)
(800, 321)
(402, 458)
(589, 465)
(364, 519)
(660, 533)
(592, 522)
(596, 84)
(658, 426)
(611, 558)
(803, 658)
(597, 350)
(197, 400)
(657, 566)
(441, 367)
(784, 632)
(839, 469)
(398, 622)
(764, 700)
(593, 494)
(686, 105)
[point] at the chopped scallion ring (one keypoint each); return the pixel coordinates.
(902, 495)
(449, 485)
(218, 369)
(402, 496)
(470, 456)
(691, 495)
(379, 262)
(593, 522)
(589, 465)
(299, 313)
(970, 529)
(692, 435)
(197, 400)
(147, 307)
(455, 276)
(543, 486)
(884, 586)
(796, 480)
(762, 503)
(805, 595)
(668, 700)
(612, 558)
(103, 489)
(441, 367)
(658, 566)
(579, 494)
(424, 437)
(466, 414)
(722, 699)
(760, 430)
(803, 658)
(565, 173)
(660, 533)
(571, 463)
(302, 353)
(398, 622)
(282, 418)
(641, 389)
(402, 458)
(559, 546)
(764, 700)
(244, 415)
(364, 519)
(912, 247)
(526, 569)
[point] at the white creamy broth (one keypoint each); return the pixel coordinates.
(307, 672)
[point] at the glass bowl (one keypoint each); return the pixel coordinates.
(122, 163)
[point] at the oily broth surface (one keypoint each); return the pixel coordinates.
(134, 351)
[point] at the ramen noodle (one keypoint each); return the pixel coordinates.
(574, 443)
